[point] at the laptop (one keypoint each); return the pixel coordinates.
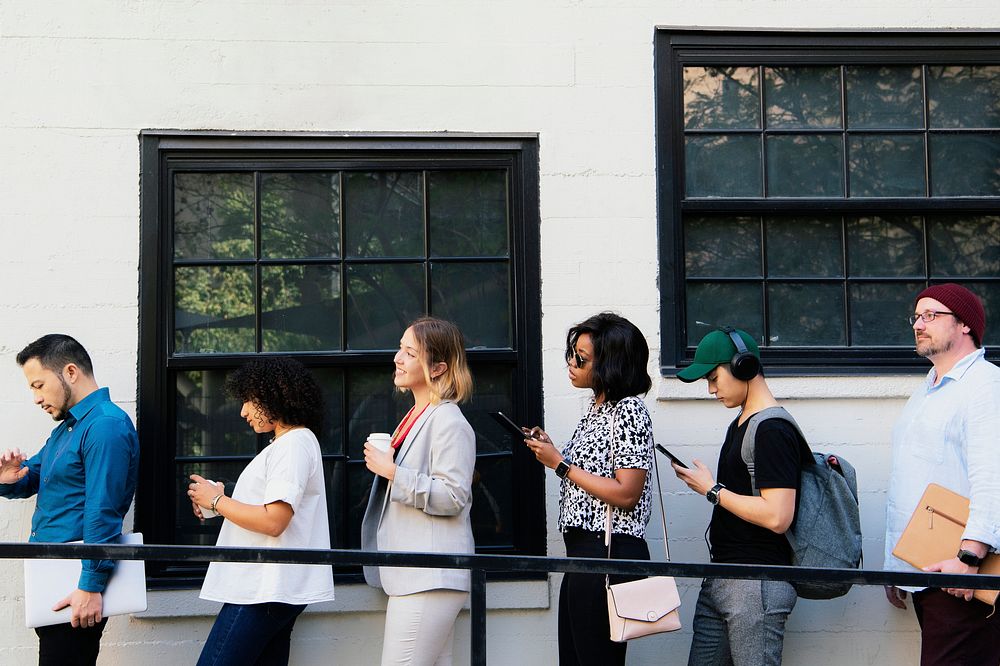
(46, 582)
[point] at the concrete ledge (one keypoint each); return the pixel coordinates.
(351, 598)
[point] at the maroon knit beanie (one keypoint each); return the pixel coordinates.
(966, 306)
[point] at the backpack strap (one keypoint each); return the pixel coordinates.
(748, 448)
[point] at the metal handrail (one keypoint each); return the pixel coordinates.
(481, 564)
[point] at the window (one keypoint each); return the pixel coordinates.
(324, 248)
(810, 186)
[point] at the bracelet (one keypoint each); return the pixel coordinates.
(215, 500)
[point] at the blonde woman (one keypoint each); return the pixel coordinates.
(422, 495)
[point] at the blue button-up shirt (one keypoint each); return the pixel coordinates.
(85, 477)
(949, 434)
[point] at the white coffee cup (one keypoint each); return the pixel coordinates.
(208, 513)
(380, 440)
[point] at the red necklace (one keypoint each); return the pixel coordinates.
(399, 436)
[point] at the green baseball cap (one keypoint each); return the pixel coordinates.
(714, 349)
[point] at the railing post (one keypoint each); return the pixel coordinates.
(478, 603)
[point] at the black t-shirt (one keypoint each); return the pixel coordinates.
(778, 463)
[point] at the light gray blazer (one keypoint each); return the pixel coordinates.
(426, 507)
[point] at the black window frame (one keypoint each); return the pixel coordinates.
(673, 49)
(155, 410)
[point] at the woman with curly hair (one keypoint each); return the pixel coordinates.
(279, 501)
(422, 495)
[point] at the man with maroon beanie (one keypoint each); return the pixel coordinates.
(949, 434)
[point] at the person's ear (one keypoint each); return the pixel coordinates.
(71, 372)
(438, 369)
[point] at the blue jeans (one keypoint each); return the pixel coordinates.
(250, 634)
(740, 622)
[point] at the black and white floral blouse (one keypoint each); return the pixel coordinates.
(590, 449)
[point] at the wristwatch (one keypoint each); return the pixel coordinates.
(969, 558)
(713, 494)
(562, 469)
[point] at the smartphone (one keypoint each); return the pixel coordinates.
(674, 459)
(508, 425)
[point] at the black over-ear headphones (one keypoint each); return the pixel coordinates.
(744, 365)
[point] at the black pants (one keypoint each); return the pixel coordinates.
(583, 603)
(956, 632)
(62, 645)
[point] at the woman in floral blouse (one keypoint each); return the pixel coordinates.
(606, 462)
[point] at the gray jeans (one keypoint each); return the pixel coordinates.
(740, 622)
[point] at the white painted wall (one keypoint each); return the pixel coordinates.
(79, 80)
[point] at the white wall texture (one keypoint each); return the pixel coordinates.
(79, 80)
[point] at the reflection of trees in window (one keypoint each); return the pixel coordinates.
(213, 215)
(965, 246)
(802, 96)
(721, 97)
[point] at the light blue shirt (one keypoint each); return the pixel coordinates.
(85, 477)
(948, 434)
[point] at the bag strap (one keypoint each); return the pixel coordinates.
(748, 448)
(659, 495)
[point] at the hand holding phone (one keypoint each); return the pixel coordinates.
(674, 459)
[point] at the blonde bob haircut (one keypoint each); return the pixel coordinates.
(441, 342)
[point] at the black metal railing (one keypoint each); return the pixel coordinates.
(481, 564)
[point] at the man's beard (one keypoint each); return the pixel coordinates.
(67, 394)
(931, 350)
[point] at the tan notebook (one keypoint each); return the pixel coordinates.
(934, 533)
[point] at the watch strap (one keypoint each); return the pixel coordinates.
(562, 469)
(969, 558)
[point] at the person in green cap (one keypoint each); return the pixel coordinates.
(743, 621)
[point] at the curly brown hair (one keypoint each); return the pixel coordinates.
(282, 388)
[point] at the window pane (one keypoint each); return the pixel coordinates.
(493, 392)
(213, 216)
(965, 165)
(800, 246)
(711, 305)
(300, 215)
(373, 405)
(989, 293)
(359, 486)
(879, 311)
(300, 308)
(964, 246)
(721, 98)
(806, 314)
(382, 300)
(334, 473)
(722, 247)
(722, 166)
(886, 166)
(331, 383)
(804, 165)
(885, 246)
(384, 213)
(884, 97)
(213, 309)
(491, 502)
(188, 530)
(208, 420)
(964, 96)
(476, 297)
(468, 213)
(802, 96)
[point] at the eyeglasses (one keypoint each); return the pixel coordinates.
(576, 359)
(928, 316)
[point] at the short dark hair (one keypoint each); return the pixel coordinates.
(620, 355)
(283, 390)
(55, 351)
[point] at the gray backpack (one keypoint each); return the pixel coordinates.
(826, 532)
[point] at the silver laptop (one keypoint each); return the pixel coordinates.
(46, 582)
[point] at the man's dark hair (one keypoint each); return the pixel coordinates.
(620, 355)
(283, 390)
(55, 351)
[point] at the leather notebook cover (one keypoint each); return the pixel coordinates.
(934, 533)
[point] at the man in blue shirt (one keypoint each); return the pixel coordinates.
(84, 477)
(948, 434)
